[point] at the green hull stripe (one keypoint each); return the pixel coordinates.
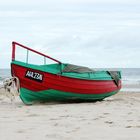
(29, 97)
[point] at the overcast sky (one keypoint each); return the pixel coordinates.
(94, 33)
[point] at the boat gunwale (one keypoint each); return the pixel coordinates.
(59, 74)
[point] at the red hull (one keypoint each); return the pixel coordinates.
(62, 83)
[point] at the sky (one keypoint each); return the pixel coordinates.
(93, 33)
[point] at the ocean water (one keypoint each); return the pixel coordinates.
(130, 78)
(4, 73)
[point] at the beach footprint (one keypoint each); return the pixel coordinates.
(106, 113)
(21, 131)
(129, 120)
(109, 122)
(96, 119)
(131, 126)
(129, 113)
(33, 115)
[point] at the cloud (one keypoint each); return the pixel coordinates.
(41, 2)
(86, 32)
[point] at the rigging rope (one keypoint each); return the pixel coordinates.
(11, 86)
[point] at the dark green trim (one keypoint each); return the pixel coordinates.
(29, 97)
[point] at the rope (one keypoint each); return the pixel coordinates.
(11, 86)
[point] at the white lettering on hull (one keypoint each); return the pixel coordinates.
(34, 75)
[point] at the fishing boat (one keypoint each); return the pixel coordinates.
(61, 81)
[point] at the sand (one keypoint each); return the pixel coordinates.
(115, 118)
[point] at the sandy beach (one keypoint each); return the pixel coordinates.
(115, 118)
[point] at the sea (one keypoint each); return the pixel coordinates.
(130, 78)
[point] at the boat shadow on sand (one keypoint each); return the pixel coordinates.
(70, 102)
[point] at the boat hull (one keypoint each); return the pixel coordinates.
(30, 97)
(56, 87)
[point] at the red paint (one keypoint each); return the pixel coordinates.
(13, 51)
(15, 44)
(63, 83)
